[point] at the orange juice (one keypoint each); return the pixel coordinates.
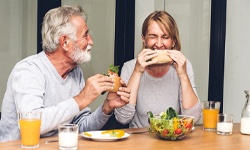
(30, 131)
(210, 118)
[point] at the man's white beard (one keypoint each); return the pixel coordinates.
(80, 56)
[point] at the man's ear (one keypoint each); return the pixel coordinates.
(64, 42)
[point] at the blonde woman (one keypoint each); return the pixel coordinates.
(156, 87)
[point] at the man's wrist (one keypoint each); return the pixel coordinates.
(106, 108)
(81, 102)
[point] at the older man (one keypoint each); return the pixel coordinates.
(52, 82)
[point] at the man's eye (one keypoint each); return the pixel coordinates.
(86, 35)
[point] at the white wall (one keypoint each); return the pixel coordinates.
(237, 70)
(18, 35)
(142, 9)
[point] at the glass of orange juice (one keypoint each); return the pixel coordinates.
(29, 124)
(210, 110)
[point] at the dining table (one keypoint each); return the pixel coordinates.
(140, 139)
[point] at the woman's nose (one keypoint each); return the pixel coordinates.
(159, 42)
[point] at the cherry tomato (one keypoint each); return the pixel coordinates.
(189, 126)
(178, 131)
(165, 132)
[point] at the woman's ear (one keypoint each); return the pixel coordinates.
(143, 40)
(173, 44)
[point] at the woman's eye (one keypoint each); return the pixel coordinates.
(152, 37)
(165, 37)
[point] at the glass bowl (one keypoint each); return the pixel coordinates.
(172, 129)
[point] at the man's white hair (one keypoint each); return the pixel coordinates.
(56, 22)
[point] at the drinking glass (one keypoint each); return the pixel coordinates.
(210, 110)
(68, 136)
(225, 124)
(29, 124)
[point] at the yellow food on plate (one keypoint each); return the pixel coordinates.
(114, 133)
(87, 134)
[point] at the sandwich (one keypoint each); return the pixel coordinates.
(162, 57)
(113, 73)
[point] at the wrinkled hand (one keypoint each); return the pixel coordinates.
(94, 86)
(179, 62)
(144, 59)
(116, 99)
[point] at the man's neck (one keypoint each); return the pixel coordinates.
(61, 62)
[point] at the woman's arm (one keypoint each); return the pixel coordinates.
(140, 65)
(189, 97)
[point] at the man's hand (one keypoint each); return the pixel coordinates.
(94, 86)
(116, 99)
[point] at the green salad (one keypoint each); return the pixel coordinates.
(170, 125)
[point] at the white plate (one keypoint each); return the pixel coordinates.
(98, 136)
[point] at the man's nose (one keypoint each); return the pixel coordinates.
(90, 41)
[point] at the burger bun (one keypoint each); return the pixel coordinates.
(117, 83)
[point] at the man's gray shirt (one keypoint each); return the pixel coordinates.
(35, 85)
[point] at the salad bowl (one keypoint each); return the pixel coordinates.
(171, 128)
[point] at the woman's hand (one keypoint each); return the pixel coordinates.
(179, 62)
(144, 59)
